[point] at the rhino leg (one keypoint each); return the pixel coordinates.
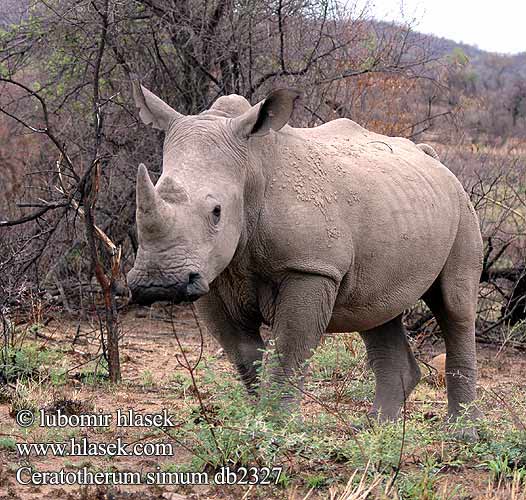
(301, 314)
(461, 367)
(394, 366)
(240, 340)
(453, 301)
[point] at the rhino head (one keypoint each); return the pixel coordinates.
(192, 221)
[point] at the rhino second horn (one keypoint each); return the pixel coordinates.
(146, 195)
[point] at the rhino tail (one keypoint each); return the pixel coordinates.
(427, 149)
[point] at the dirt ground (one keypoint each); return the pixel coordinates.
(148, 355)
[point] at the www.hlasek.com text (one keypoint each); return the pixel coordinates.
(83, 447)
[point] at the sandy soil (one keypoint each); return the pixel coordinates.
(148, 354)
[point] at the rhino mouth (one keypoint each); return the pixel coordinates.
(188, 290)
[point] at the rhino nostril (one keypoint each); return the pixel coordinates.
(193, 278)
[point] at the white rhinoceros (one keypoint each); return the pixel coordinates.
(332, 228)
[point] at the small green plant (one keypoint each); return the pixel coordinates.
(147, 378)
(7, 443)
(422, 485)
(316, 481)
(95, 372)
(501, 469)
(182, 383)
(284, 480)
(58, 378)
(35, 328)
(27, 362)
(334, 359)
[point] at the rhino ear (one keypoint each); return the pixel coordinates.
(153, 110)
(271, 113)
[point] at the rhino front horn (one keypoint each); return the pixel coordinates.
(146, 195)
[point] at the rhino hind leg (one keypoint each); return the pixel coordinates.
(394, 366)
(453, 301)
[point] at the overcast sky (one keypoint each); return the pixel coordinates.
(496, 26)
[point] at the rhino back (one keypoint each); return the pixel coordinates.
(373, 212)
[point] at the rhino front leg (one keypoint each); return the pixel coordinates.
(301, 313)
(240, 339)
(394, 366)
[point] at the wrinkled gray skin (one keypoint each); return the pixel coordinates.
(332, 228)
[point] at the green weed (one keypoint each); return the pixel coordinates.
(27, 362)
(7, 443)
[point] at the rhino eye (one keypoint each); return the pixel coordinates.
(216, 214)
